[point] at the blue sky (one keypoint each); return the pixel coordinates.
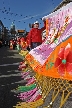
(24, 10)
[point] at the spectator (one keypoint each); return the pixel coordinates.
(35, 37)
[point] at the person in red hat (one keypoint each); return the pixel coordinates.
(35, 35)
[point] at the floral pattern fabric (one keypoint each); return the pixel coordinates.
(64, 60)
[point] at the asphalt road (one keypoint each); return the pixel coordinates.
(9, 77)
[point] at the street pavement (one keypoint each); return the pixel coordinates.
(10, 79)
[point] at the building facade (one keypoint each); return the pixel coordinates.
(1, 29)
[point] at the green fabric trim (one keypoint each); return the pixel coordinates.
(26, 88)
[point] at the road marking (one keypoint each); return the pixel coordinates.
(10, 64)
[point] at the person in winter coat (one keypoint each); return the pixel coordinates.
(35, 35)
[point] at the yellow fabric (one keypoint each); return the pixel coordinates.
(23, 53)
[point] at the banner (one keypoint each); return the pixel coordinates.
(42, 58)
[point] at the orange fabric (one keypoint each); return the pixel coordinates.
(47, 27)
(37, 67)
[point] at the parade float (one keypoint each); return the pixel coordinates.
(48, 68)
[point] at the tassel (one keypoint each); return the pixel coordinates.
(34, 96)
(27, 73)
(38, 97)
(24, 72)
(21, 63)
(31, 81)
(27, 77)
(27, 94)
(30, 104)
(27, 69)
(26, 88)
(22, 66)
(25, 97)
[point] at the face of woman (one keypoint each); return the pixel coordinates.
(36, 25)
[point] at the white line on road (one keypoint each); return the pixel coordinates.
(10, 64)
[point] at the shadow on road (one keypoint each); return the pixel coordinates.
(9, 77)
(9, 56)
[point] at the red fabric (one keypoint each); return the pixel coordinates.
(18, 41)
(38, 97)
(35, 34)
(22, 39)
(65, 54)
